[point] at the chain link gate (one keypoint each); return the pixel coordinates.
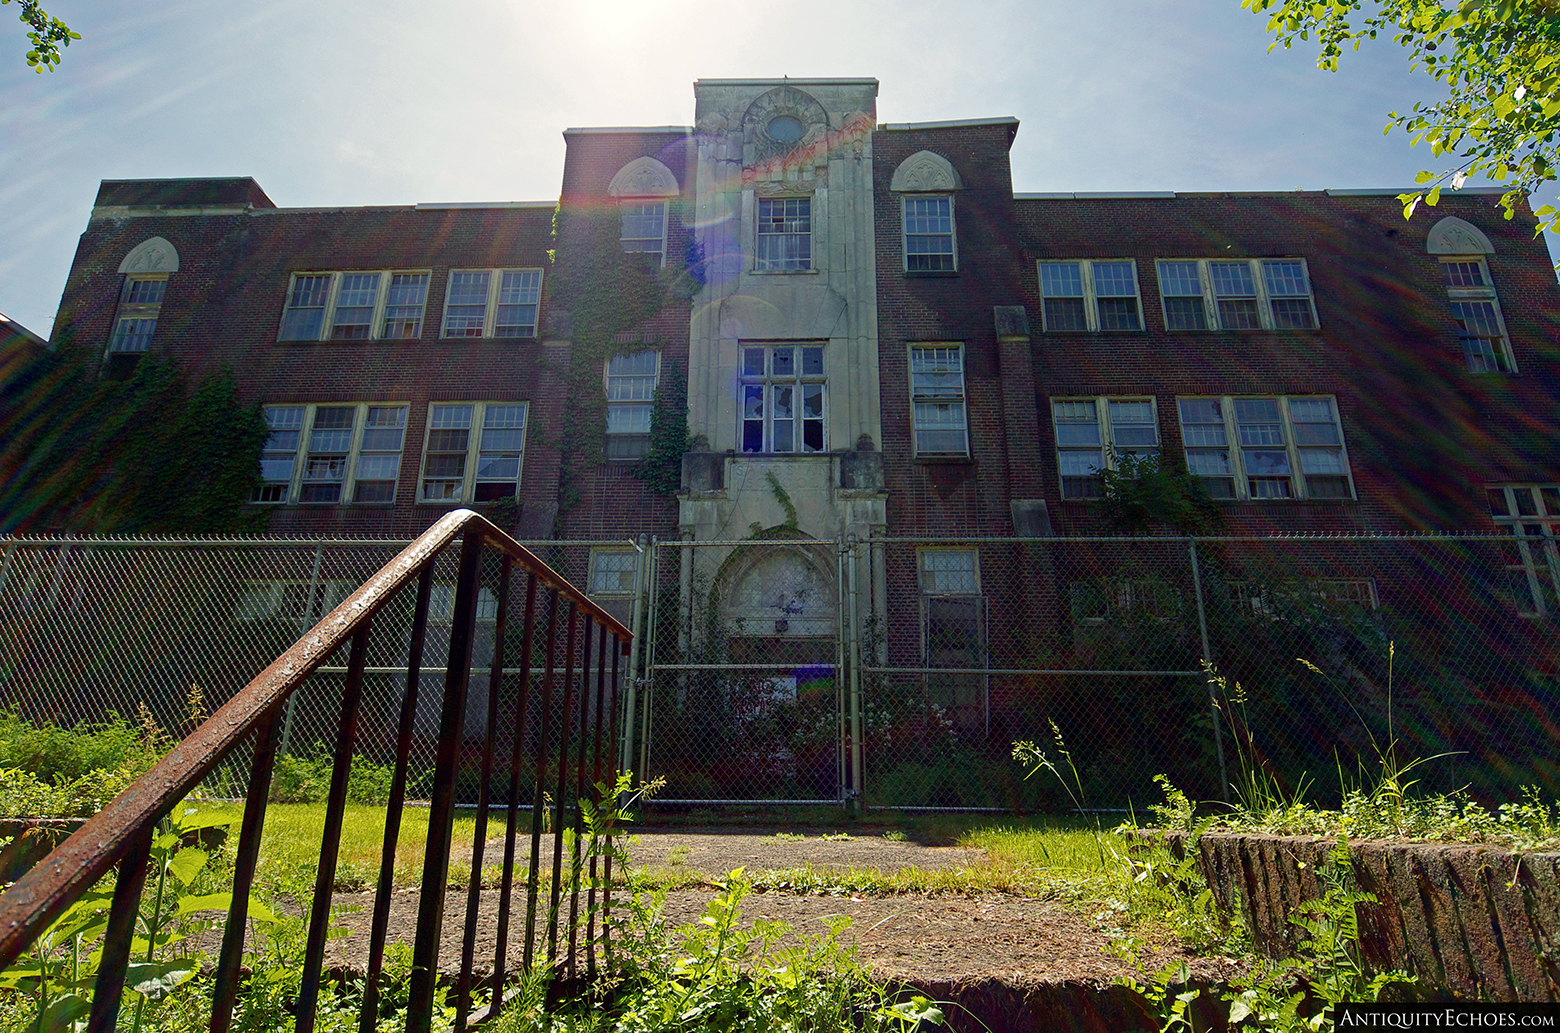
(744, 697)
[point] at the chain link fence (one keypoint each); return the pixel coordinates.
(163, 632)
(901, 670)
(893, 671)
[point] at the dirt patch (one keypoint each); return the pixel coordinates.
(935, 941)
(716, 852)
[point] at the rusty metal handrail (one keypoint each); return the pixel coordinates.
(123, 829)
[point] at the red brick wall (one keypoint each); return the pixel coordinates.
(612, 503)
(224, 305)
(1423, 433)
(939, 496)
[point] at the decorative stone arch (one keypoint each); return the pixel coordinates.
(1454, 236)
(926, 172)
(784, 101)
(787, 590)
(644, 177)
(151, 256)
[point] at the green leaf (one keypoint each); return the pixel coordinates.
(206, 902)
(197, 820)
(155, 979)
(186, 864)
(67, 1012)
(1424, 177)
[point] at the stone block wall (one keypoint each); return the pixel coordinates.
(1471, 922)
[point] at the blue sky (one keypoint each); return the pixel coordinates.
(352, 102)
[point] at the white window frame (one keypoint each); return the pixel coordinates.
(769, 384)
(1088, 295)
(932, 395)
(1501, 358)
(609, 569)
(625, 402)
(331, 308)
(969, 693)
(275, 492)
(471, 474)
(1123, 599)
(1530, 514)
(135, 322)
(493, 302)
(928, 575)
(1261, 295)
(952, 254)
(634, 245)
(1104, 425)
(787, 262)
(1296, 451)
(1257, 599)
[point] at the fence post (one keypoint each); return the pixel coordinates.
(652, 649)
(1207, 655)
(854, 655)
(641, 556)
(304, 624)
(5, 565)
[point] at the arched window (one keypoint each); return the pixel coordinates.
(642, 188)
(1461, 246)
(146, 269)
(926, 183)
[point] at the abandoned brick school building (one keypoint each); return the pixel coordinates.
(875, 337)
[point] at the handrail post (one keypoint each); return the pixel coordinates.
(378, 932)
(441, 811)
(225, 993)
(330, 838)
(110, 986)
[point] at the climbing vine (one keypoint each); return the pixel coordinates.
(84, 454)
(605, 296)
(661, 467)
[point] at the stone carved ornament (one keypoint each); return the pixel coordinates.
(643, 177)
(151, 256)
(1454, 236)
(925, 172)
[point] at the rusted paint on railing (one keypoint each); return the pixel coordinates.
(121, 833)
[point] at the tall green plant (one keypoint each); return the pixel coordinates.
(60, 974)
(1142, 493)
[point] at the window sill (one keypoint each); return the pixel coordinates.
(783, 272)
(1250, 330)
(347, 342)
(930, 274)
(780, 455)
(1287, 502)
(945, 460)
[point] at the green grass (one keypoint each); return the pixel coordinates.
(290, 846)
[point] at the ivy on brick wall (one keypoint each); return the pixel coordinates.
(661, 467)
(152, 454)
(605, 295)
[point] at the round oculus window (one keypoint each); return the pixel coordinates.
(784, 129)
